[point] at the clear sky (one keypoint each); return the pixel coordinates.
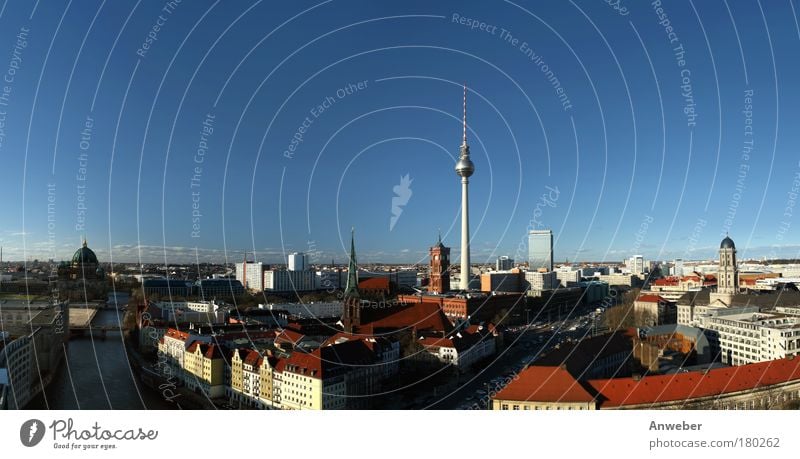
(625, 127)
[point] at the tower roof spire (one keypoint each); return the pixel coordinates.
(464, 138)
(352, 269)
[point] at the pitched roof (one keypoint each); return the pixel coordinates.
(544, 384)
(620, 392)
(460, 341)
(419, 316)
(374, 283)
(289, 336)
(252, 357)
(209, 351)
(651, 298)
(335, 358)
(176, 334)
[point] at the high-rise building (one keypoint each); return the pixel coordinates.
(504, 263)
(637, 264)
(568, 276)
(540, 250)
(541, 281)
(282, 280)
(440, 268)
(298, 261)
(251, 275)
(465, 169)
(678, 267)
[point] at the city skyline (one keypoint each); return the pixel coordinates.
(594, 149)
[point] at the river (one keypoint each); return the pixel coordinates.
(96, 374)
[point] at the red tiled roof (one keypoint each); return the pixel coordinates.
(419, 316)
(374, 283)
(318, 363)
(289, 336)
(436, 342)
(666, 281)
(650, 298)
(177, 334)
(544, 384)
(252, 358)
(683, 386)
(209, 351)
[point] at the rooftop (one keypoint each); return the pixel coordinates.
(621, 392)
(545, 384)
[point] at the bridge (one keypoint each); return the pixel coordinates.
(100, 330)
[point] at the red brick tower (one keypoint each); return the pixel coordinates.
(440, 268)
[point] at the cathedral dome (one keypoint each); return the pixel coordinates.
(84, 255)
(727, 243)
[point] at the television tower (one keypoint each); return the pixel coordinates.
(465, 168)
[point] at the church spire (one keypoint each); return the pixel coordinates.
(352, 270)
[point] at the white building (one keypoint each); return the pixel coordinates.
(627, 280)
(637, 264)
(461, 350)
(749, 337)
(541, 281)
(251, 275)
(568, 276)
(197, 312)
(298, 261)
(677, 267)
(289, 281)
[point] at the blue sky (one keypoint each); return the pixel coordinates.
(643, 143)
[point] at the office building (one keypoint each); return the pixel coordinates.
(504, 263)
(251, 275)
(289, 281)
(568, 276)
(540, 250)
(541, 280)
(298, 261)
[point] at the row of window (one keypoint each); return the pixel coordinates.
(505, 406)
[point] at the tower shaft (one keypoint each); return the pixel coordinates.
(465, 262)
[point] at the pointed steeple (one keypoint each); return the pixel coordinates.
(352, 270)
(439, 240)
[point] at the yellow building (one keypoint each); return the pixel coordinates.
(269, 396)
(310, 383)
(204, 369)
